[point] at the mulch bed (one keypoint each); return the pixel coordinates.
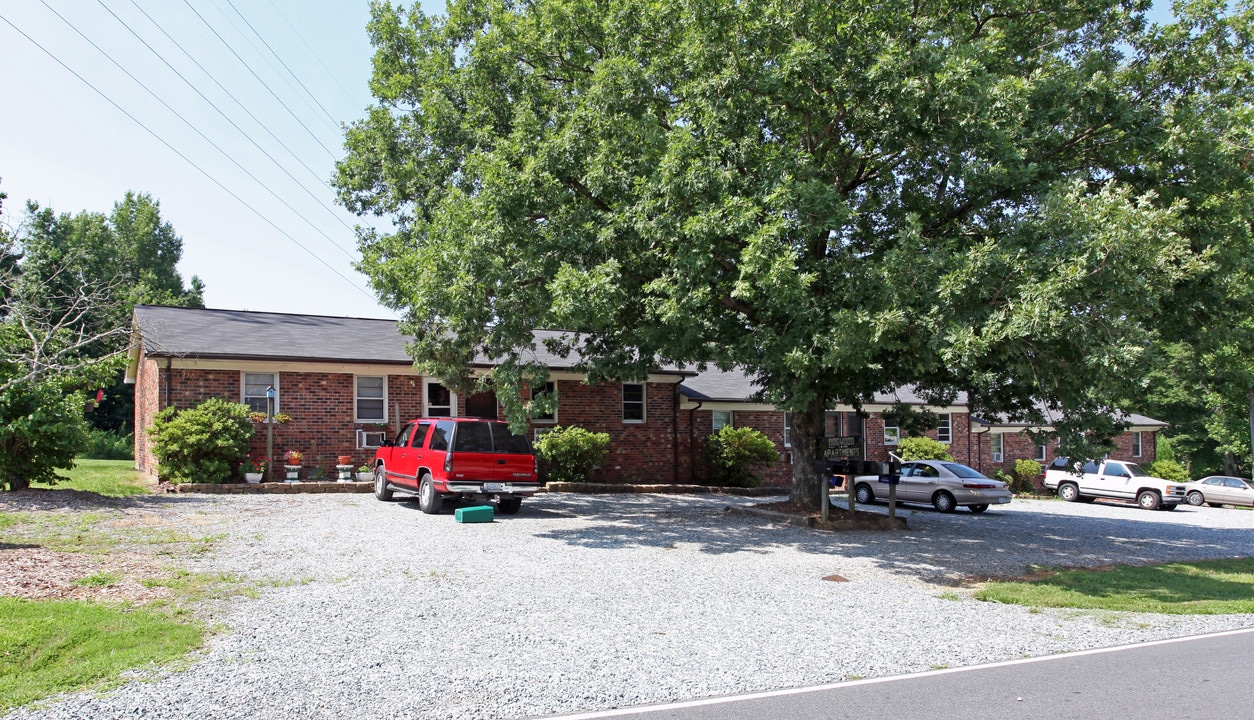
(838, 518)
(37, 573)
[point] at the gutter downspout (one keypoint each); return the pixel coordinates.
(692, 442)
(169, 378)
(675, 432)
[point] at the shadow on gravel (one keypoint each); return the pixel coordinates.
(54, 499)
(941, 549)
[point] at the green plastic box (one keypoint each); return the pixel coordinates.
(478, 513)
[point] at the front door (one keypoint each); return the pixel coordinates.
(482, 405)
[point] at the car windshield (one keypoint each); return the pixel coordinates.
(963, 471)
(1136, 470)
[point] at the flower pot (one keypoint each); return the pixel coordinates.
(365, 477)
(253, 477)
(344, 460)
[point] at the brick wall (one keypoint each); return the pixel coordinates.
(1019, 446)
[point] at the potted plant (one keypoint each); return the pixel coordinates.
(260, 417)
(254, 469)
(365, 474)
(343, 459)
(291, 464)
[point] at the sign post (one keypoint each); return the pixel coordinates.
(840, 450)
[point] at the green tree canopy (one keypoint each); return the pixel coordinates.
(1015, 199)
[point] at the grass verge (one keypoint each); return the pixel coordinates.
(53, 646)
(114, 478)
(1216, 587)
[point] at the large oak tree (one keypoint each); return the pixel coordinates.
(839, 197)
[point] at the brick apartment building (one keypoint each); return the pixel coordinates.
(348, 383)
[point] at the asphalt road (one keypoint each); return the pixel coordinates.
(1199, 677)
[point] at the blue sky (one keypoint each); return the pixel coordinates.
(64, 146)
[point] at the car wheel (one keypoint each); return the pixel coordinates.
(1215, 504)
(429, 501)
(944, 502)
(863, 494)
(381, 490)
(1148, 500)
(977, 509)
(509, 506)
(1168, 507)
(1195, 498)
(1070, 492)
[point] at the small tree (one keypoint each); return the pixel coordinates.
(923, 448)
(205, 443)
(571, 452)
(1025, 475)
(732, 453)
(1168, 470)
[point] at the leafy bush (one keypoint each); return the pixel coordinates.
(205, 443)
(570, 453)
(1168, 470)
(923, 448)
(109, 445)
(732, 452)
(1025, 475)
(41, 429)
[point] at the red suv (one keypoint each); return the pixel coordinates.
(457, 458)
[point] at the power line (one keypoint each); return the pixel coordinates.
(330, 117)
(226, 117)
(196, 130)
(248, 67)
(188, 160)
(312, 52)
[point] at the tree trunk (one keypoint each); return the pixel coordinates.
(807, 427)
(1252, 433)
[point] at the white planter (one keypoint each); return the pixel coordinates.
(365, 477)
(253, 478)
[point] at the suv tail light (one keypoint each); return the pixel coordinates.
(448, 463)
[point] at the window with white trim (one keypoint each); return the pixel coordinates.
(254, 386)
(995, 445)
(1040, 453)
(1136, 444)
(437, 400)
(549, 389)
(944, 428)
(633, 402)
(892, 434)
(370, 398)
(721, 419)
(787, 429)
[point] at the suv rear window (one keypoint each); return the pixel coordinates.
(489, 437)
(507, 442)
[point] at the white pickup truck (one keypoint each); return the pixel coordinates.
(1076, 482)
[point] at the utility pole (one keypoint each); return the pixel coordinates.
(1252, 433)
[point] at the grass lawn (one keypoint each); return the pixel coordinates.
(115, 478)
(52, 646)
(1214, 587)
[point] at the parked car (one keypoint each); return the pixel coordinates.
(457, 458)
(946, 485)
(1117, 479)
(1217, 490)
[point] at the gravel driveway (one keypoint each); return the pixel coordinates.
(592, 602)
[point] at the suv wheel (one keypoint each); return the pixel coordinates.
(429, 501)
(1069, 492)
(381, 490)
(1148, 500)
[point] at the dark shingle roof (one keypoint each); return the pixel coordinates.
(735, 385)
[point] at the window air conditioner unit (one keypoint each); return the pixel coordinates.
(996, 457)
(370, 439)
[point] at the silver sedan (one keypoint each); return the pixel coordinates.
(1219, 490)
(946, 485)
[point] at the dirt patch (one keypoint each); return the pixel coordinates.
(837, 518)
(37, 573)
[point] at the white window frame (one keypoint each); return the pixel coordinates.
(643, 401)
(1136, 444)
(366, 421)
(996, 447)
(787, 429)
(892, 434)
(1041, 451)
(243, 387)
(731, 419)
(551, 419)
(426, 409)
(945, 429)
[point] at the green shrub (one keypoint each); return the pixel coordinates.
(570, 453)
(1168, 470)
(732, 452)
(205, 443)
(923, 448)
(109, 445)
(1025, 475)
